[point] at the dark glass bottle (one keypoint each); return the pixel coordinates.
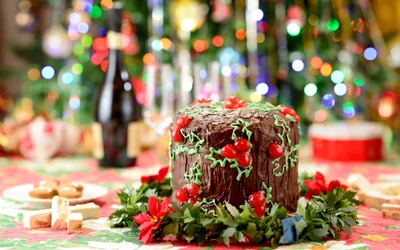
(117, 114)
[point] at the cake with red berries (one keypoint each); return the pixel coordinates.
(234, 152)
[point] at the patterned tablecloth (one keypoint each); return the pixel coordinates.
(375, 232)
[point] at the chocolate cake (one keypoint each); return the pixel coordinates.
(229, 151)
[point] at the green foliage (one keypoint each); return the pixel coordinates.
(324, 216)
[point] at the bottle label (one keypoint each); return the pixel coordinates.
(98, 148)
(114, 40)
(133, 148)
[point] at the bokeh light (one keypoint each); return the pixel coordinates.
(328, 101)
(310, 89)
(260, 37)
(316, 62)
(77, 68)
(67, 77)
(337, 76)
(349, 112)
(297, 65)
(332, 24)
(166, 43)
(149, 59)
(48, 72)
(96, 58)
(156, 45)
(358, 82)
(385, 108)
(240, 34)
(218, 41)
(74, 102)
(313, 20)
(33, 74)
(255, 97)
(104, 65)
(347, 104)
(226, 71)
(257, 14)
(293, 29)
(326, 69)
(354, 91)
(320, 115)
(83, 27)
(87, 41)
(262, 88)
(370, 53)
(96, 12)
(340, 89)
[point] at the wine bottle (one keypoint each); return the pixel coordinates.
(118, 114)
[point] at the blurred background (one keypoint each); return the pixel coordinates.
(331, 61)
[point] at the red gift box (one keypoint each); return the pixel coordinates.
(347, 142)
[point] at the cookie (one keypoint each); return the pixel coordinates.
(73, 184)
(50, 184)
(43, 192)
(69, 192)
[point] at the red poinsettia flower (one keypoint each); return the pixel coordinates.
(318, 185)
(150, 222)
(162, 173)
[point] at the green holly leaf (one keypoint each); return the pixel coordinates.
(232, 210)
(350, 221)
(300, 226)
(227, 233)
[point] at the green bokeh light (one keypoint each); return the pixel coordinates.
(96, 12)
(78, 49)
(77, 68)
(293, 29)
(332, 24)
(84, 57)
(347, 104)
(358, 82)
(87, 41)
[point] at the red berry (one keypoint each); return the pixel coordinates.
(203, 100)
(242, 104)
(297, 118)
(181, 195)
(176, 134)
(257, 199)
(229, 151)
(275, 150)
(244, 160)
(260, 211)
(242, 145)
(233, 99)
(287, 111)
(183, 121)
(192, 200)
(230, 105)
(194, 189)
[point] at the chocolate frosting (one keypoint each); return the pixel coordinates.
(220, 183)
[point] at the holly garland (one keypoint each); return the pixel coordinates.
(330, 208)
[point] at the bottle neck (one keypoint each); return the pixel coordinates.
(114, 40)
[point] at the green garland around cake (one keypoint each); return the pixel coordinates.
(329, 210)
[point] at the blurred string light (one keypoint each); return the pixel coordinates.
(67, 78)
(386, 106)
(104, 65)
(255, 97)
(358, 82)
(332, 24)
(149, 59)
(345, 57)
(349, 112)
(156, 45)
(354, 91)
(316, 62)
(166, 43)
(218, 41)
(106, 4)
(310, 89)
(326, 69)
(370, 54)
(260, 37)
(77, 68)
(240, 34)
(96, 12)
(96, 58)
(297, 65)
(328, 101)
(337, 76)
(293, 29)
(87, 41)
(33, 74)
(226, 71)
(262, 88)
(200, 45)
(74, 102)
(48, 72)
(203, 74)
(74, 18)
(83, 27)
(313, 20)
(340, 89)
(257, 14)
(320, 115)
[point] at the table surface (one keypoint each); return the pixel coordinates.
(375, 232)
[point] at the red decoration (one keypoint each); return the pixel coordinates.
(230, 105)
(275, 150)
(229, 151)
(162, 173)
(203, 100)
(150, 222)
(192, 200)
(244, 160)
(242, 104)
(289, 111)
(181, 195)
(183, 121)
(318, 185)
(194, 189)
(233, 103)
(242, 145)
(257, 199)
(260, 211)
(176, 134)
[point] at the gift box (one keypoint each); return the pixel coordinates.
(346, 142)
